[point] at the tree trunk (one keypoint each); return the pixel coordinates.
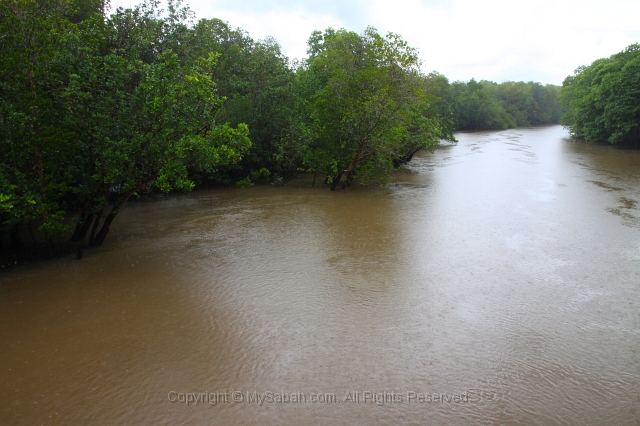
(81, 221)
(82, 228)
(336, 180)
(399, 161)
(85, 226)
(95, 227)
(102, 234)
(352, 167)
(99, 239)
(347, 179)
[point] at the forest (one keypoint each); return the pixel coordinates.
(98, 107)
(602, 100)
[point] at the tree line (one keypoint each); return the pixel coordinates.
(99, 107)
(602, 100)
(488, 105)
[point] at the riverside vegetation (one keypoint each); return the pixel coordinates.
(602, 100)
(99, 107)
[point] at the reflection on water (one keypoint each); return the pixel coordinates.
(505, 266)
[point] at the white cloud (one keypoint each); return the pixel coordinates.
(491, 39)
(290, 28)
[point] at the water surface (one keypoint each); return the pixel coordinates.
(506, 266)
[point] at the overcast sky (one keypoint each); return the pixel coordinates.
(495, 40)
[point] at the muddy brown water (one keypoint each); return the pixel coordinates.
(503, 271)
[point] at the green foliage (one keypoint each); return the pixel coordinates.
(143, 118)
(97, 108)
(79, 10)
(476, 109)
(244, 183)
(257, 82)
(32, 144)
(5, 203)
(528, 103)
(93, 113)
(488, 105)
(602, 100)
(367, 105)
(253, 177)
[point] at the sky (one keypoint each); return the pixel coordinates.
(498, 40)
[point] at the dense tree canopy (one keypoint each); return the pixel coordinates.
(32, 144)
(367, 104)
(475, 108)
(489, 105)
(140, 117)
(602, 100)
(98, 106)
(94, 113)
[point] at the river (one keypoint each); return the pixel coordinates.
(501, 274)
